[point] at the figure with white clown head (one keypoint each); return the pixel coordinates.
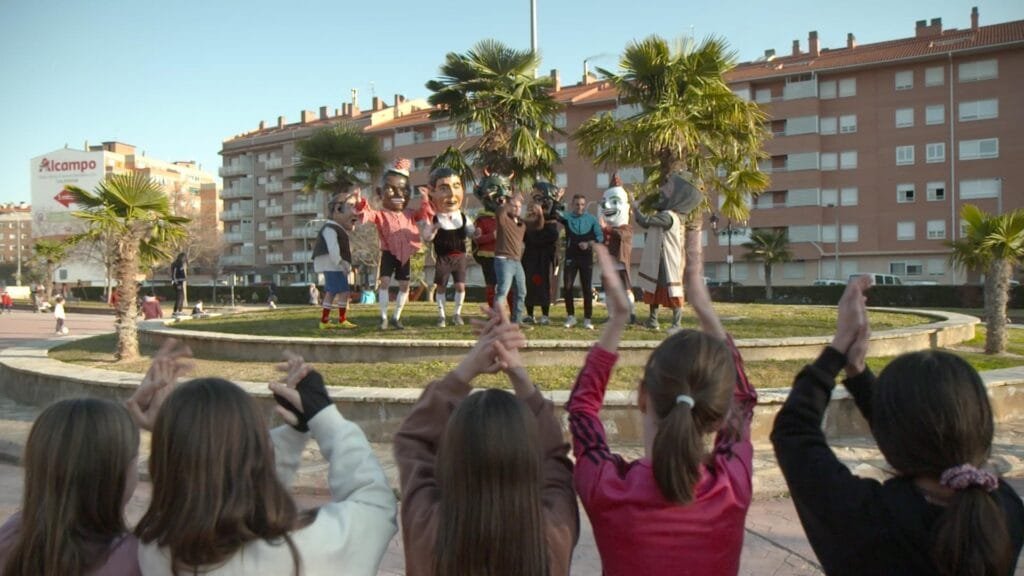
(618, 235)
(448, 230)
(664, 258)
(399, 236)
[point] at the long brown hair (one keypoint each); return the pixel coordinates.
(76, 462)
(930, 412)
(489, 472)
(214, 483)
(700, 366)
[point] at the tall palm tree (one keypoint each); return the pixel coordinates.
(134, 211)
(493, 87)
(49, 253)
(335, 158)
(995, 245)
(770, 247)
(453, 159)
(684, 117)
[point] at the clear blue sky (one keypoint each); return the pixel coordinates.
(177, 78)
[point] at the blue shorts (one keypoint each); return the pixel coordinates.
(335, 282)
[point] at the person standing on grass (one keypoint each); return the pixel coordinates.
(582, 231)
(58, 314)
(332, 256)
(679, 509)
(178, 277)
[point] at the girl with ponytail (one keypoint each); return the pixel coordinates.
(944, 511)
(680, 509)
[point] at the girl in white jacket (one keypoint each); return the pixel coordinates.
(220, 504)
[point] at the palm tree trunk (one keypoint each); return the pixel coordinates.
(48, 282)
(768, 281)
(125, 268)
(997, 288)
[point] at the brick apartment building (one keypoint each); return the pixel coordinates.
(15, 233)
(875, 149)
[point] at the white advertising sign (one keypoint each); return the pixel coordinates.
(51, 174)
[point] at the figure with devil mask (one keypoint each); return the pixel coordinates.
(540, 253)
(493, 191)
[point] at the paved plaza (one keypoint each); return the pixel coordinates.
(774, 545)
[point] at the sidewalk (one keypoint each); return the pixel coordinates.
(775, 543)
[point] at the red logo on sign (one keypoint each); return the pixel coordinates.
(65, 197)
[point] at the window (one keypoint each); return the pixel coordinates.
(979, 110)
(936, 229)
(898, 268)
(848, 124)
(763, 95)
(935, 114)
(904, 193)
(936, 191)
(562, 149)
(936, 267)
(793, 270)
(914, 268)
(979, 149)
(904, 230)
(827, 89)
(800, 197)
(905, 80)
(904, 117)
(935, 152)
(765, 201)
(828, 196)
(985, 188)
(828, 125)
(849, 233)
(561, 179)
(829, 161)
(904, 155)
(560, 120)
(802, 233)
(802, 161)
(848, 196)
(848, 160)
(847, 87)
(980, 70)
(603, 180)
(934, 76)
(828, 233)
(801, 125)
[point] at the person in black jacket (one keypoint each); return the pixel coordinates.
(178, 279)
(540, 253)
(945, 511)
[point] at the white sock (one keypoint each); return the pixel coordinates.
(440, 303)
(632, 301)
(403, 297)
(460, 297)
(382, 302)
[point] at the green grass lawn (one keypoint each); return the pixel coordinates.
(420, 318)
(743, 320)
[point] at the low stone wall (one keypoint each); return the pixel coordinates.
(949, 328)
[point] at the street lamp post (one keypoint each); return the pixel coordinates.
(728, 258)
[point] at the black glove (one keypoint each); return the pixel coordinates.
(314, 398)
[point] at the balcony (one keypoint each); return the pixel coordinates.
(237, 237)
(273, 187)
(274, 210)
(297, 186)
(274, 257)
(234, 215)
(302, 255)
(237, 260)
(275, 163)
(242, 188)
(275, 234)
(305, 208)
(236, 169)
(305, 232)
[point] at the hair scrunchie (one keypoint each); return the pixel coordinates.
(966, 476)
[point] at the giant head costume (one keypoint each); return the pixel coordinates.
(615, 207)
(546, 195)
(493, 191)
(446, 191)
(678, 194)
(342, 210)
(394, 191)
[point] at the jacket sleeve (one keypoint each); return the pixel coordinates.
(415, 448)
(734, 436)
(558, 494)
(598, 233)
(589, 441)
(832, 502)
(366, 212)
(660, 219)
(861, 388)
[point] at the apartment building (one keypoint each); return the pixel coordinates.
(875, 149)
(193, 193)
(15, 233)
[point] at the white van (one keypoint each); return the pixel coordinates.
(880, 279)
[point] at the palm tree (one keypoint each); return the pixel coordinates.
(770, 247)
(995, 245)
(49, 253)
(336, 158)
(493, 87)
(684, 117)
(135, 212)
(453, 159)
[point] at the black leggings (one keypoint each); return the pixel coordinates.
(585, 268)
(179, 297)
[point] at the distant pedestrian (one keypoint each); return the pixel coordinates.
(151, 307)
(178, 277)
(314, 295)
(6, 301)
(272, 297)
(58, 314)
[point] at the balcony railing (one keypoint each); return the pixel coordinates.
(233, 169)
(232, 215)
(237, 237)
(304, 232)
(275, 257)
(273, 187)
(302, 255)
(275, 210)
(273, 163)
(275, 234)
(239, 189)
(305, 208)
(237, 260)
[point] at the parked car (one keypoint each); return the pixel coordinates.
(828, 282)
(880, 279)
(712, 283)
